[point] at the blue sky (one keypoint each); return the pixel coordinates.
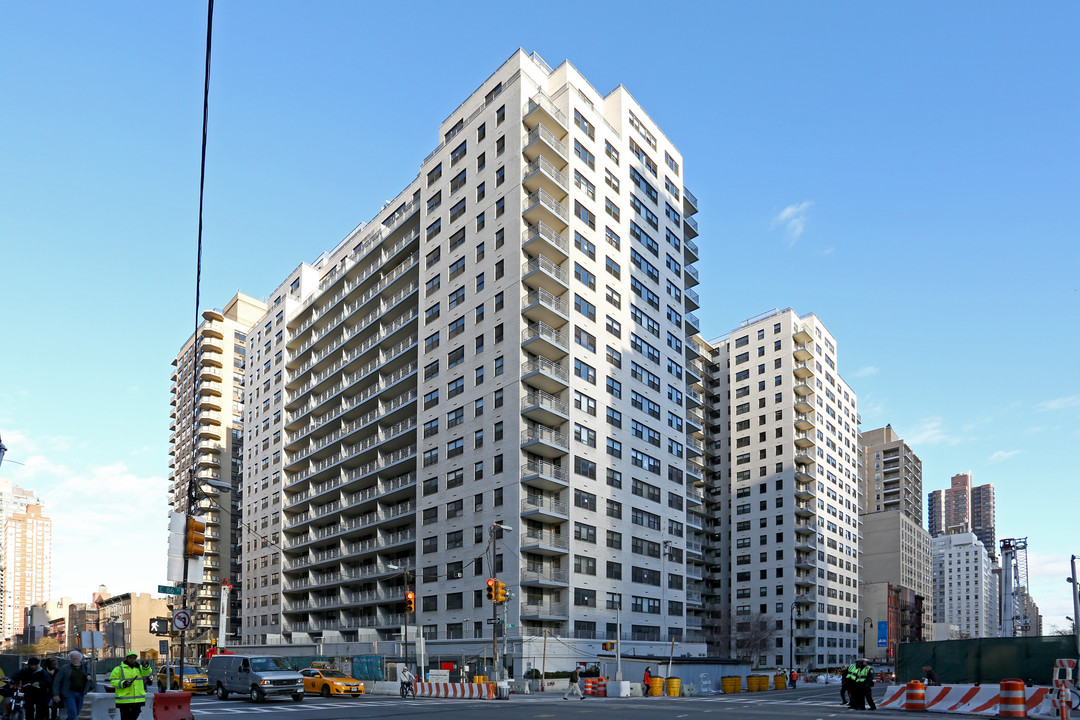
(919, 159)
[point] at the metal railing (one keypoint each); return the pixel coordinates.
(543, 231)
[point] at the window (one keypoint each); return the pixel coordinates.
(614, 356)
(582, 244)
(611, 209)
(614, 387)
(585, 371)
(458, 153)
(614, 448)
(614, 509)
(455, 448)
(431, 370)
(454, 417)
(580, 181)
(458, 182)
(456, 327)
(585, 125)
(585, 339)
(613, 297)
(434, 175)
(456, 298)
(584, 435)
(614, 418)
(642, 184)
(585, 403)
(583, 597)
(432, 285)
(584, 155)
(434, 201)
(434, 229)
(455, 387)
(585, 307)
(585, 468)
(585, 215)
(613, 326)
(584, 533)
(584, 500)
(614, 540)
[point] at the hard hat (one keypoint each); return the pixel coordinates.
(132, 652)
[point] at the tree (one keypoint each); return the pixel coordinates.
(752, 636)
(47, 646)
(1067, 631)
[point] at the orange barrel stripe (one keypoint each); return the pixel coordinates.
(1013, 703)
(916, 696)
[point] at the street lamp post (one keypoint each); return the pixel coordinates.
(1075, 581)
(791, 636)
(867, 622)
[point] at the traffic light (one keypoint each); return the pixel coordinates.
(194, 538)
(491, 589)
(410, 601)
(500, 592)
(607, 646)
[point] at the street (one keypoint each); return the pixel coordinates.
(810, 703)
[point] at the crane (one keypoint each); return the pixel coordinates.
(1014, 583)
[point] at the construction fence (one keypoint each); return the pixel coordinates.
(985, 660)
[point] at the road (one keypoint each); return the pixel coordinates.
(809, 703)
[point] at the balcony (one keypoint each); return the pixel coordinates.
(693, 301)
(541, 273)
(804, 458)
(541, 142)
(209, 402)
(208, 417)
(545, 542)
(691, 275)
(693, 398)
(802, 335)
(540, 239)
(545, 611)
(210, 344)
(690, 227)
(805, 580)
(690, 202)
(544, 509)
(803, 404)
(209, 375)
(802, 351)
(540, 174)
(541, 208)
(544, 408)
(804, 561)
(804, 509)
(803, 370)
(539, 110)
(212, 432)
(544, 441)
(544, 476)
(690, 251)
(543, 340)
(545, 578)
(545, 375)
(804, 491)
(209, 358)
(805, 544)
(804, 440)
(804, 421)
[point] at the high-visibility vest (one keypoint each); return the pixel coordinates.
(134, 693)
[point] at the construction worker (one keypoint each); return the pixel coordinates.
(128, 680)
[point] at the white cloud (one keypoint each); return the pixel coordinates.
(109, 525)
(866, 371)
(930, 431)
(1046, 578)
(1003, 455)
(1061, 403)
(793, 219)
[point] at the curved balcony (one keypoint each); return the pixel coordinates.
(543, 340)
(545, 509)
(544, 408)
(544, 441)
(545, 375)
(540, 239)
(208, 402)
(690, 251)
(210, 344)
(545, 542)
(205, 430)
(212, 329)
(209, 376)
(210, 358)
(804, 509)
(691, 275)
(544, 475)
(539, 272)
(208, 417)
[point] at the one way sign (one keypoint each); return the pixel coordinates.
(160, 626)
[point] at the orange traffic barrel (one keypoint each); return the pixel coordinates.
(601, 687)
(1013, 702)
(590, 686)
(916, 696)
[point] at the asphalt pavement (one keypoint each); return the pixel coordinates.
(807, 702)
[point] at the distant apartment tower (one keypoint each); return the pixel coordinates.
(964, 506)
(27, 565)
(207, 434)
(508, 343)
(892, 474)
(12, 499)
(965, 589)
(783, 459)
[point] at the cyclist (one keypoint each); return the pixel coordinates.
(407, 682)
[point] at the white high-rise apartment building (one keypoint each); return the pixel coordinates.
(783, 461)
(27, 565)
(507, 343)
(965, 589)
(207, 435)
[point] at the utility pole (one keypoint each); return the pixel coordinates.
(495, 526)
(543, 662)
(1076, 602)
(618, 639)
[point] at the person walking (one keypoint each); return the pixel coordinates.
(71, 684)
(573, 687)
(36, 686)
(128, 679)
(846, 678)
(930, 675)
(794, 678)
(49, 666)
(646, 682)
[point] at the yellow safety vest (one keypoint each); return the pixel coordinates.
(134, 693)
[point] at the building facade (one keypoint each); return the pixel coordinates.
(27, 566)
(12, 499)
(892, 474)
(133, 611)
(965, 589)
(964, 506)
(784, 482)
(207, 436)
(495, 377)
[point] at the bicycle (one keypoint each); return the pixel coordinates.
(406, 688)
(14, 707)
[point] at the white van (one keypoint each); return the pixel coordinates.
(257, 676)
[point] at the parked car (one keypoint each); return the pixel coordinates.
(257, 676)
(195, 679)
(327, 682)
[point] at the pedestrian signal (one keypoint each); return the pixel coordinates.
(195, 540)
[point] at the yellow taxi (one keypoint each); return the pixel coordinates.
(195, 680)
(327, 682)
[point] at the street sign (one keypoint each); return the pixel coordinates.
(181, 620)
(168, 590)
(160, 626)
(163, 647)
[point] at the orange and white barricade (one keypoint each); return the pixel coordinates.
(1013, 700)
(472, 691)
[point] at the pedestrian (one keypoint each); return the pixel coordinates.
(794, 677)
(37, 689)
(54, 707)
(866, 685)
(72, 683)
(646, 681)
(127, 679)
(930, 675)
(846, 676)
(575, 677)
